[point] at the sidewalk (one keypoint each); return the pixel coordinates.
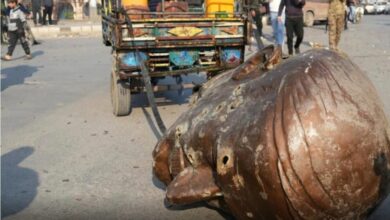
(67, 28)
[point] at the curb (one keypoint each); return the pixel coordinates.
(67, 31)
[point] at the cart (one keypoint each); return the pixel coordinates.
(149, 46)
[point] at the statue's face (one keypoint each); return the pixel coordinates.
(297, 141)
(199, 149)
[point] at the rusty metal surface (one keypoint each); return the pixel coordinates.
(306, 140)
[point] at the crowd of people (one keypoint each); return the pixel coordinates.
(39, 7)
(287, 19)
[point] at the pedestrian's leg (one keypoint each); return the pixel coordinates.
(24, 42)
(50, 10)
(30, 34)
(13, 38)
(298, 29)
(34, 11)
(345, 21)
(259, 26)
(332, 31)
(274, 23)
(44, 16)
(339, 28)
(353, 13)
(280, 32)
(290, 35)
(40, 19)
(348, 13)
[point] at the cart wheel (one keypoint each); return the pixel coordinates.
(120, 96)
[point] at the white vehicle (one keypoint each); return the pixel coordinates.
(369, 6)
(387, 10)
(380, 7)
(376, 6)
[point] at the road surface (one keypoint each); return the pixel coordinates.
(65, 156)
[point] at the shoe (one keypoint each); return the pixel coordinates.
(28, 57)
(285, 56)
(6, 57)
(297, 51)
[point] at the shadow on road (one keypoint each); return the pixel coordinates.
(37, 53)
(162, 99)
(157, 183)
(18, 184)
(16, 75)
(202, 204)
(165, 98)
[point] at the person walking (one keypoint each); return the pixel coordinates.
(293, 22)
(257, 15)
(36, 9)
(16, 22)
(257, 11)
(352, 10)
(336, 14)
(345, 20)
(47, 11)
(277, 26)
(28, 33)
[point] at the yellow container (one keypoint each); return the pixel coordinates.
(127, 3)
(219, 8)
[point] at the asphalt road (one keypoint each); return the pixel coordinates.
(65, 156)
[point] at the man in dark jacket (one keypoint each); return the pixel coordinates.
(47, 11)
(259, 9)
(36, 9)
(294, 22)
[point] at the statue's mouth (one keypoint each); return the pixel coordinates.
(185, 184)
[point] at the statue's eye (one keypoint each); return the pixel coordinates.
(225, 159)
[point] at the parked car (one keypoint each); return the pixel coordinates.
(315, 10)
(376, 6)
(387, 10)
(369, 8)
(380, 7)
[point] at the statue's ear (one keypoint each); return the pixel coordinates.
(161, 163)
(193, 185)
(254, 66)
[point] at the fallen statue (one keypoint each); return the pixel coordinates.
(307, 139)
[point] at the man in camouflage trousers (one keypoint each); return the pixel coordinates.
(336, 16)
